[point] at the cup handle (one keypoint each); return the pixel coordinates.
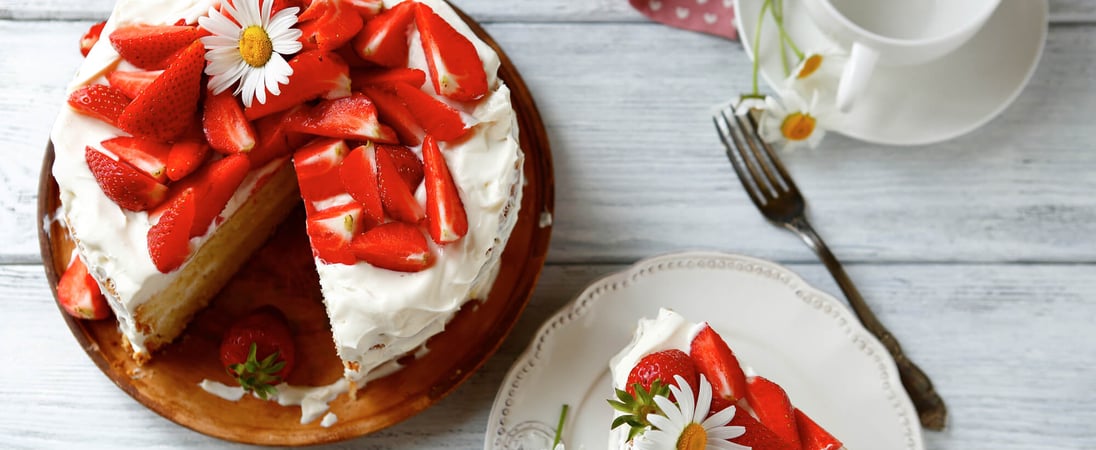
(854, 79)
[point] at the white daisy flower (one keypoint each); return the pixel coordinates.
(794, 122)
(248, 48)
(686, 425)
(819, 71)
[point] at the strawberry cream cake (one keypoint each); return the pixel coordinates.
(678, 385)
(194, 127)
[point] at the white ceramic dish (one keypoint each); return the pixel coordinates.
(927, 103)
(788, 331)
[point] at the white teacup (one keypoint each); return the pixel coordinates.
(894, 33)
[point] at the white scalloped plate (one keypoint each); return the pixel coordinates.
(786, 330)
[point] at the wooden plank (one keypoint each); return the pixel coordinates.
(1010, 347)
(640, 171)
(1065, 11)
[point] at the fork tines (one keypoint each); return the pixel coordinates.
(753, 159)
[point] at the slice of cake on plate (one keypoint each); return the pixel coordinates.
(194, 127)
(679, 386)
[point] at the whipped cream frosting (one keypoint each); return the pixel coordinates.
(668, 330)
(376, 315)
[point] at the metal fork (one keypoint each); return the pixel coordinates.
(773, 191)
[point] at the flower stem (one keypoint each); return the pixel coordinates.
(784, 56)
(757, 45)
(778, 17)
(559, 427)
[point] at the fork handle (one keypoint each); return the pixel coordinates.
(930, 407)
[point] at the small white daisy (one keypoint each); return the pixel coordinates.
(248, 48)
(686, 425)
(794, 122)
(819, 71)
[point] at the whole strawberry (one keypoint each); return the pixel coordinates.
(258, 351)
(663, 366)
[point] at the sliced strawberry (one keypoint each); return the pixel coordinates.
(225, 126)
(315, 74)
(99, 101)
(394, 246)
(133, 83)
(358, 174)
(328, 24)
(169, 239)
(368, 9)
(372, 77)
(330, 231)
(435, 116)
(151, 47)
(397, 198)
(317, 165)
(756, 436)
(352, 117)
(213, 184)
(773, 408)
(662, 366)
(383, 40)
(79, 294)
(91, 37)
(445, 216)
(407, 163)
(148, 156)
(814, 436)
(123, 184)
(185, 157)
(319, 157)
(273, 139)
(393, 112)
(225, 176)
(167, 106)
(717, 362)
(455, 67)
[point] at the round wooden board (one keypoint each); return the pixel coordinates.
(282, 273)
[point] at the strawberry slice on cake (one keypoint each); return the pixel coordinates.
(679, 385)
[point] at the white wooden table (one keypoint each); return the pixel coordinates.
(979, 253)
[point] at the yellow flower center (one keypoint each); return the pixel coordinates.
(693, 437)
(255, 46)
(797, 126)
(810, 66)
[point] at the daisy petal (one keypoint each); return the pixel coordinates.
(703, 401)
(264, 16)
(660, 422)
(288, 45)
(669, 409)
(219, 25)
(724, 433)
(720, 418)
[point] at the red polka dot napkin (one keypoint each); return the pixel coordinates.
(706, 16)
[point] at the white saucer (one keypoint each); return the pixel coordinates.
(929, 103)
(788, 331)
